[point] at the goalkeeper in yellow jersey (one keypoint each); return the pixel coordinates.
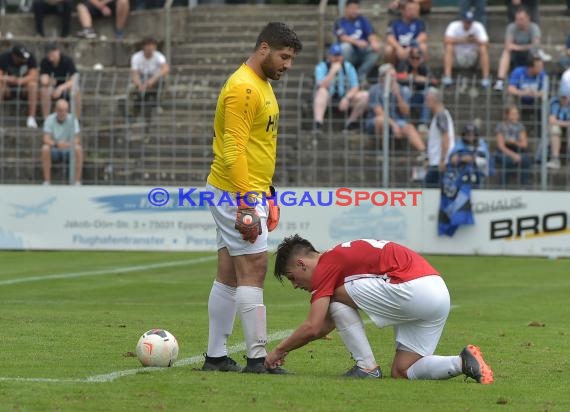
(245, 143)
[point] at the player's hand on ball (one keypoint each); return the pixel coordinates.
(248, 223)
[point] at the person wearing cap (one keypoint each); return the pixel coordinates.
(337, 83)
(399, 110)
(62, 8)
(471, 151)
(360, 44)
(60, 135)
(479, 8)
(559, 121)
(521, 37)
(19, 77)
(404, 33)
(466, 41)
(58, 76)
(87, 10)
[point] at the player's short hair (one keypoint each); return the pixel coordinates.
(290, 247)
(279, 36)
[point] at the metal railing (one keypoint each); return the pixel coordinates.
(169, 140)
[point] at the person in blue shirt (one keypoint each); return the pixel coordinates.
(526, 82)
(399, 110)
(559, 121)
(405, 33)
(360, 44)
(337, 84)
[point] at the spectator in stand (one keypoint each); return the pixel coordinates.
(414, 76)
(478, 7)
(512, 145)
(58, 76)
(62, 8)
(404, 33)
(19, 77)
(148, 69)
(61, 134)
(337, 84)
(565, 61)
(147, 4)
(441, 138)
(87, 10)
(399, 110)
(471, 152)
(466, 41)
(530, 5)
(559, 121)
(520, 37)
(360, 44)
(526, 81)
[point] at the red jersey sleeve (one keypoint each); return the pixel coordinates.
(324, 281)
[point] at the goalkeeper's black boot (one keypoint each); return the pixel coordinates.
(256, 365)
(357, 372)
(473, 365)
(220, 364)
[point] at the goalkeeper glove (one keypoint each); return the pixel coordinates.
(273, 211)
(248, 222)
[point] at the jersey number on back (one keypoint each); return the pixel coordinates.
(378, 244)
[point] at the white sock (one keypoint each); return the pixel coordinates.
(222, 313)
(351, 330)
(252, 313)
(435, 367)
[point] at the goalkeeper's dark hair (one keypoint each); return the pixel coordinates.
(290, 246)
(279, 36)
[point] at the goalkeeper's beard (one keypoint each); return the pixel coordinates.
(268, 68)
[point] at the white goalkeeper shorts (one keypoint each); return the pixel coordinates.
(227, 236)
(417, 309)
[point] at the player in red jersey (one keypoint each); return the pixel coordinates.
(394, 286)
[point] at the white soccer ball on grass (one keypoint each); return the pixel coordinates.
(157, 347)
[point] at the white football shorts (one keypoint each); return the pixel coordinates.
(417, 309)
(226, 234)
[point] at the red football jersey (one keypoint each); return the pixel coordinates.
(366, 257)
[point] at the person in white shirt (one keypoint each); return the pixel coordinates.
(148, 68)
(466, 42)
(441, 138)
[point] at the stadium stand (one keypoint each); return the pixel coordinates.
(173, 146)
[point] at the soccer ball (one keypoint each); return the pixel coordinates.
(157, 347)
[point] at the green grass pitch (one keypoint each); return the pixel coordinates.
(62, 332)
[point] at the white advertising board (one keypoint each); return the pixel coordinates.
(124, 218)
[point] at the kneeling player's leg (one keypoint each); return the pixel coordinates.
(417, 340)
(413, 366)
(351, 329)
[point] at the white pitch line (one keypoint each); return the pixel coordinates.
(102, 272)
(109, 377)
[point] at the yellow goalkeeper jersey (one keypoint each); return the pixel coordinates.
(245, 134)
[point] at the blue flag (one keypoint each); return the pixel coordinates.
(455, 202)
